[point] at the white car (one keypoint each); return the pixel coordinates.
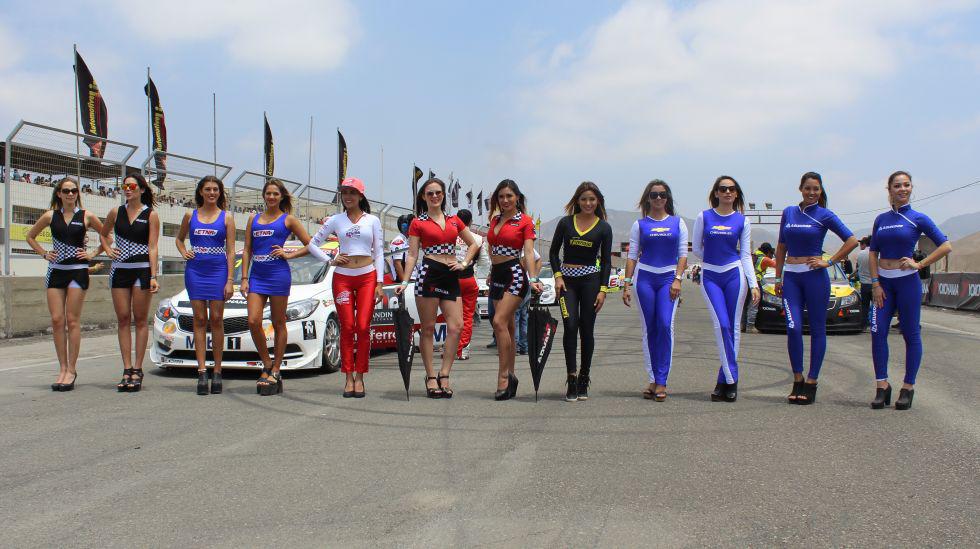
(548, 294)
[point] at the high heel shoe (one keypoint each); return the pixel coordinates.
(123, 385)
(718, 395)
(432, 392)
(71, 386)
(135, 380)
(794, 394)
(262, 381)
(274, 386)
(883, 397)
(346, 393)
(808, 395)
(504, 394)
(202, 382)
(731, 392)
(446, 391)
(512, 382)
(361, 393)
(216, 385)
(904, 401)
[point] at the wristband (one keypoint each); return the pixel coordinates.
(677, 278)
(535, 279)
(403, 283)
(628, 280)
(831, 262)
(558, 274)
(778, 279)
(874, 280)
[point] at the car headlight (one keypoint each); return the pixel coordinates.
(547, 288)
(772, 299)
(165, 310)
(848, 300)
(301, 309)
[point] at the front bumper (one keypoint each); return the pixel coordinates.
(772, 318)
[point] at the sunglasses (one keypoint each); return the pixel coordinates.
(433, 193)
(130, 186)
(727, 189)
(69, 191)
(658, 195)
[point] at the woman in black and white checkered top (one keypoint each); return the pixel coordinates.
(132, 277)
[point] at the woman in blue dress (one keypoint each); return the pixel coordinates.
(266, 278)
(209, 273)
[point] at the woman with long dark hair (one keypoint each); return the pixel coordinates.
(266, 278)
(580, 279)
(357, 278)
(513, 272)
(133, 276)
(209, 273)
(894, 288)
(723, 240)
(803, 281)
(67, 278)
(658, 256)
(437, 286)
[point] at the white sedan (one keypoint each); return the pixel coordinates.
(548, 294)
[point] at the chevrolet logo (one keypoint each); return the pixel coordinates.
(659, 230)
(721, 228)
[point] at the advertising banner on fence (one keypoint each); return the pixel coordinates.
(955, 291)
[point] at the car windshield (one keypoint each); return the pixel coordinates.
(304, 270)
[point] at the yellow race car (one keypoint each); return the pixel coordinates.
(843, 310)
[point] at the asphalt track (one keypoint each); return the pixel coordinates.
(166, 467)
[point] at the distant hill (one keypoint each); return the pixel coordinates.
(960, 226)
(966, 254)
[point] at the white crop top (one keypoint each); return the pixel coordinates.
(363, 238)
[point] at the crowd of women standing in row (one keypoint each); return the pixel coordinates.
(580, 256)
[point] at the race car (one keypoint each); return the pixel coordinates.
(548, 294)
(843, 311)
(313, 328)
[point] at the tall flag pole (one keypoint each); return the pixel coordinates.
(158, 131)
(416, 176)
(269, 150)
(95, 117)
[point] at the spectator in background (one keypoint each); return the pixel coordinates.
(762, 259)
(864, 277)
(27, 178)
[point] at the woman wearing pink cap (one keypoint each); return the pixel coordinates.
(356, 279)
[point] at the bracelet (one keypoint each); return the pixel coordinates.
(874, 280)
(558, 274)
(628, 280)
(535, 279)
(778, 279)
(678, 278)
(831, 262)
(403, 283)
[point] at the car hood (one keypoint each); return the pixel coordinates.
(837, 288)
(182, 303)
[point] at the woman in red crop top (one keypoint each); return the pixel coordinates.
(511, 241)
(437, 285)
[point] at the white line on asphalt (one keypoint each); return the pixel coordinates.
(49, 363)
(947, 328)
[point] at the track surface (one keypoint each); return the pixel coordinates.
(166, 467)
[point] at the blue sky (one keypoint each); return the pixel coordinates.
(548, 93)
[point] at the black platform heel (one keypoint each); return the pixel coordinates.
(512, 382)
(202, 382)
(361, 393)
(731, 392)
(718, 395)
(904, 401)
(262, 381)
(808, 395)
(135, 380)
(274, 386)
(431, 392)
(883, 397)
(794, 394)
(123, 385)
(446, 391)
(504, 394)
(69, 386)
(216, 385)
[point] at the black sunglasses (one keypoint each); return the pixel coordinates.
(433, 193)
(69, 191)
(654, 195)
(726, 189)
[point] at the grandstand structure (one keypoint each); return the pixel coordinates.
(36, 156)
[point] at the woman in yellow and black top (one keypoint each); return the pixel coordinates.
(581, 277)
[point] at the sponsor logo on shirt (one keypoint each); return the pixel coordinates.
(580, 242)
(798, 225)
(205, 232)
(79, 223)
(353, 232)
(886, 227)
(262, 232)
(141, 221)
(659, 230)
(721, 228)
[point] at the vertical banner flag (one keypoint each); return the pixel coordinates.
(486, 204)
(416, 176)
(469, 198)
(95, 117)
(454, 194)
(479, 203)
(432, 174)
(269, 150)
(341, 160)
(158, 129)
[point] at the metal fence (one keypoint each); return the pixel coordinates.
(35, 158)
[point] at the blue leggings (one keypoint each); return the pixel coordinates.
(725, 295)
(657, 312)
(810, 289)
(903, 294)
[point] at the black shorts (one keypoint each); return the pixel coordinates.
(67, 278)
(127, 278)
(508, 278)
(436, 280)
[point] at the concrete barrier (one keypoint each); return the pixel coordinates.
(25, 306)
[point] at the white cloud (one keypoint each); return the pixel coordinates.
(289, 35)
(722, 75)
